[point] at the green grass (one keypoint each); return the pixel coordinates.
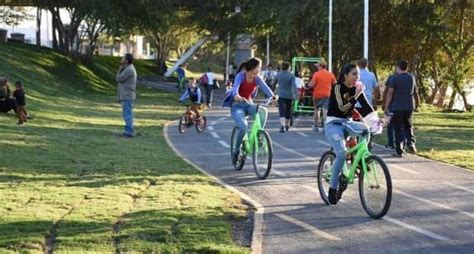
(66, 172)
(446, 137)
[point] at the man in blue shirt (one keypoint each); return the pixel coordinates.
(402, 99)
(371, 90)
(181, 78)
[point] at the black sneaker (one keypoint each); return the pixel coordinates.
(342, 186)
(282, 129)
(332, 196)
(391, 147)
(411, 149)
(287, 128)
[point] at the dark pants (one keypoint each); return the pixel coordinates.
(391, 134)
(284, 107)
(402, 121)
(209, 93)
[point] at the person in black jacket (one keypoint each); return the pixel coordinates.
(19, 95)
(344, 96)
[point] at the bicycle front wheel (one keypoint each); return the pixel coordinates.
(324, 174)
(375, 187)
(263, 154)
(183, 123)
(239, 163)
(201, 124)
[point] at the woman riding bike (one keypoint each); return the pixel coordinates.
(239, 99)
(344, 96)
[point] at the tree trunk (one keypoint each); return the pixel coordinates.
(442, 95)
(38, 26)
(53, 28)
(467, 107)
(436, 89)
(452, 100)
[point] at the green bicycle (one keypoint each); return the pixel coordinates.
(258, 143)
(375, 184)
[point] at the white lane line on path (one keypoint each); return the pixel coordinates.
(434, 203)
(417, 229)
(459, 187)
(402, 168)
(302, 134)
(212, 123)
(214, 135)
(211, 128)
(292, 151)
(224, 144)
(278, 173)
(323, 143)
(410, 227)
(308, 227)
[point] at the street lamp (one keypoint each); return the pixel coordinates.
(236, 11)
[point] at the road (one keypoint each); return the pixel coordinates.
(432, 208)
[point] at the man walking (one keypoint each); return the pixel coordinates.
(402, 99)
(321, 82)
(367, 77)
(127, 83)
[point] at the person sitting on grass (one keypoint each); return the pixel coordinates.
(194, 94)
(19, 95)
(7, 103)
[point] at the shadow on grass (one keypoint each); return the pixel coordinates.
(176, 231)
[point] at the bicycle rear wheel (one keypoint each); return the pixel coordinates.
(324, 174)
(375, 187)
(201, 124)
(263, 155)
(239, 164)
(183, 123)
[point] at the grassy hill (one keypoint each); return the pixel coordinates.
(69, 183)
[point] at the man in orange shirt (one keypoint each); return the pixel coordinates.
(322, 82)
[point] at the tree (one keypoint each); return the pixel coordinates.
(13, 16)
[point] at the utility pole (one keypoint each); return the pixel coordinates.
(330, 37)
(366, 29)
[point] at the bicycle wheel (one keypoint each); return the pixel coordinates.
(375, 187)
(324, 174)
(201, 124)
(183, 123)
(239, 164)
(263, 155)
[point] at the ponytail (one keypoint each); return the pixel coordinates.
(250, 64)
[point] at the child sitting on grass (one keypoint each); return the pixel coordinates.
(194, 94)
(19, 95)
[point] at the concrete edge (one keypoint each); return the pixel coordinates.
(257, 234)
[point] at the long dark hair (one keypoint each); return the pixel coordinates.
(250, 64)
(345, 71)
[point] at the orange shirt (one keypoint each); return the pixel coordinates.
(323, 81)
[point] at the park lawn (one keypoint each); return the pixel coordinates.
(69, 182)
(442, 136)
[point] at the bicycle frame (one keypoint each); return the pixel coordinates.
(361, 152)
(252, 137)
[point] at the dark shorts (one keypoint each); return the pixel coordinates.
(321, 103)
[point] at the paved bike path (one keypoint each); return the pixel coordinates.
(432, 207)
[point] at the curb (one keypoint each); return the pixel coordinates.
(257, 233)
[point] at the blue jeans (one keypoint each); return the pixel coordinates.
(336, 133)
(127, 114)
(239, 112)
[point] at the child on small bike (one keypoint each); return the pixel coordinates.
(194, 94)
(344, 95)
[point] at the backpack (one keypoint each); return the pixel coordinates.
(203, 79)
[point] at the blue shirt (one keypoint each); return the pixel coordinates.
(181, 73)
(195, 95)
(370, 82)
